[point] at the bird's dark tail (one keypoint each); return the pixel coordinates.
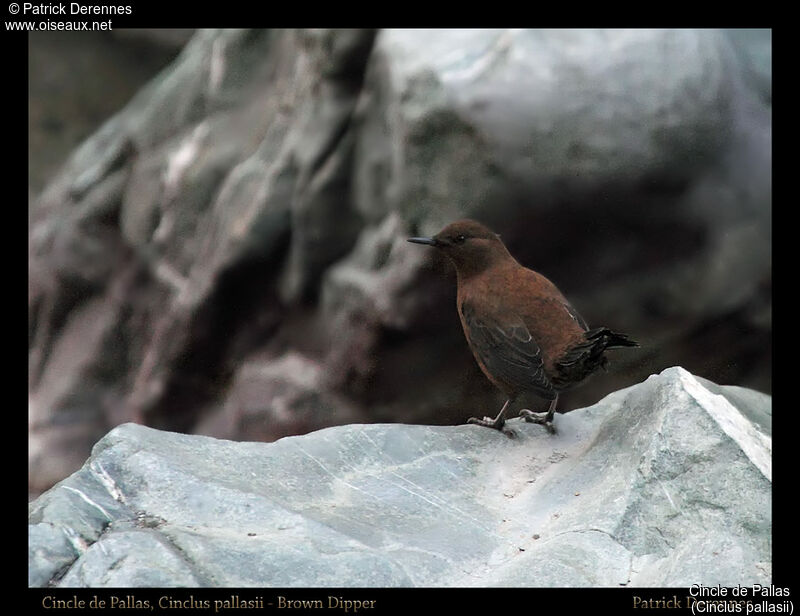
(610, 339)
(584, 358)
(603, 338)
(590, 353)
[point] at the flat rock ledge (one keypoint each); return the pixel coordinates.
(666, 483)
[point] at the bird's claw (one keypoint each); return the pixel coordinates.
(488, 422)
(545, 419)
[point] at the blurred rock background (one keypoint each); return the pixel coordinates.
(218, 218)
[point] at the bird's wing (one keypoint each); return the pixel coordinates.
(508, 351)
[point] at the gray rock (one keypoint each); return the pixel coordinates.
(562, 109)
(754, 47)
(666, 483)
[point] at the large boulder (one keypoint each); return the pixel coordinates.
(250, 206)
(666, 483)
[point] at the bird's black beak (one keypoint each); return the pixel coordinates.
(430, 241)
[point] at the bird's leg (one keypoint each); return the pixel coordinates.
(546, 419)
(497, 423)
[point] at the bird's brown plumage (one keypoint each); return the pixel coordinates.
(523, 332)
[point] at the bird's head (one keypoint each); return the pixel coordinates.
(470, 245)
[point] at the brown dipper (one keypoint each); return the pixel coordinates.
(524, 334)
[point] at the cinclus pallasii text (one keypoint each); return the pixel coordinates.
(524, 334)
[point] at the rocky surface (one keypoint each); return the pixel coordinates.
(226, 255)
(666, 483)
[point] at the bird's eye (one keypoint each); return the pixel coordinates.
(459, 239)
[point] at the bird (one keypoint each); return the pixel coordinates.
(524, 334)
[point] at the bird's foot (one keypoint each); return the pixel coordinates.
(498, 424)
(545, 419)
